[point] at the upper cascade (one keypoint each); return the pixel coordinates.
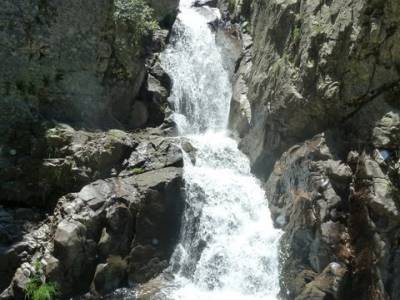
(201, 87)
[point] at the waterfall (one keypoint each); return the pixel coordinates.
(201, 90)
(228, 247)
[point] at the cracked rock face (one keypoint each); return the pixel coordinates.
(313, 65)
(74, 80)
(307, 191)
(114, 232)
(103, 227)
(73, 70)
(316, 108)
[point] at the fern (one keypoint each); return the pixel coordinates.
(37, 288)
(44, 291)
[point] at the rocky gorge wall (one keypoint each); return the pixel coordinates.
(316, 108)
(90, 64)
(90, 183)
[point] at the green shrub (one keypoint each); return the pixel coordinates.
(37, 288)
(137, 15)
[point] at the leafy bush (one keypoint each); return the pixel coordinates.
(37, 288)
(137, 15)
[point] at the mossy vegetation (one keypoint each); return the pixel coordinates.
(138, 16)
(37, 288)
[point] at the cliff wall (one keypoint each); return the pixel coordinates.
(316, 108)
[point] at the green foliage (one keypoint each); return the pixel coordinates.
(37, 288)
(137, 171)
(137, 15)
(41, 291)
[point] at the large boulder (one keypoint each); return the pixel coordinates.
(93, 240)
(63, 161)
(386, 134)
(109, 276)
(153, 154)
(114, 218)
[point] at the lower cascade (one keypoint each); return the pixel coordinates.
(228, 247)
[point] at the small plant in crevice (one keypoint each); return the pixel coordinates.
(296, 34)
(137, 171)
(37, 287)
(317, 27)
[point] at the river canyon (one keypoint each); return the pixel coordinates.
(200, 149)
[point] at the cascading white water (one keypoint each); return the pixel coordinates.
(201, 90)
(228, 247)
